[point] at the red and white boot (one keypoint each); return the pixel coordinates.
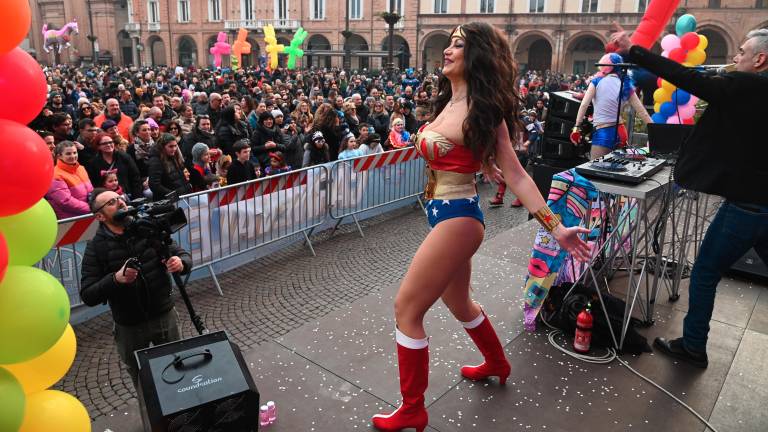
(413, 362)
(482, 333)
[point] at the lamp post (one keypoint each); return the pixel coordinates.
(391, 18)
(91, 37)
(347, 63)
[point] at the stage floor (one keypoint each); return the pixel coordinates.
(333, 373)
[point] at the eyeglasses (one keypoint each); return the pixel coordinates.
(111, 202)
(93, 130)
(173, 128)
(87, 108)
(103, 143)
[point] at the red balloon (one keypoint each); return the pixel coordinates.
(658, 82)
(689, 41)
(678, 55)
(27, 168)
(3, 256)
(688, 121)
(22, 87)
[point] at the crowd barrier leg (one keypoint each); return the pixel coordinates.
(215, 279)
(309, 243)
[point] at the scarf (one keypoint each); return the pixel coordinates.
(142, 148)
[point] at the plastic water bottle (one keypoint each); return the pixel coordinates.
(264, 416)
(272, 411)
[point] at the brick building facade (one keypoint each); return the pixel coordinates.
(564, 35)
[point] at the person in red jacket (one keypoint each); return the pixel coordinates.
(112, 112)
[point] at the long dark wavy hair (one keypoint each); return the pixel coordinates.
(490, 73)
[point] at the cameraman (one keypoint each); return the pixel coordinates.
(138, 295)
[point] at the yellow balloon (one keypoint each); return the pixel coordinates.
(49, 367)
(52, 410)
(661, 95)
(668, 86)
(696, 57)
(656, 107)
(703, 42)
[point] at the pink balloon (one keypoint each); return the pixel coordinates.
(687, 110)
(665, 54)
(693, 100)
(673, 119)
(22, 87)
(670, 42)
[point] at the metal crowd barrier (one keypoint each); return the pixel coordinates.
(230, 221)
(377, 180)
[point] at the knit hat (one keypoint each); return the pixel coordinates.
(198, 150)
(276, 113)
(152, 123)
(108, 124)
(317, 136)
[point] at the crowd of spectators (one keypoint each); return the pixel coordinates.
(147, 132)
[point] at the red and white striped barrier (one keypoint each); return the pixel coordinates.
(76, 231)
(257, 188)
(379, 160)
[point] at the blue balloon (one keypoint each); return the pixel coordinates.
(659, 117)
(685, 24)
(668, 109)
(680, 97)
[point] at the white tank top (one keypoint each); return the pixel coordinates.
(606, 100)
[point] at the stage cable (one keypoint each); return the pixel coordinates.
(607, 358)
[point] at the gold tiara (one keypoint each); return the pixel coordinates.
(459, 33)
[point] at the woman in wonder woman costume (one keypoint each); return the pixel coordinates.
(475, 114)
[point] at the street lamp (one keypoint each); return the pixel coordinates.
(391, 18)
(347, 63)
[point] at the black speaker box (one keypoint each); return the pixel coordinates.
(751, 265)
(564, 105)
(553, 148)
(197, 384)
(560, 128)
(544, 169)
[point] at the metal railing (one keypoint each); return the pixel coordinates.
(373, 181)
(231, 221)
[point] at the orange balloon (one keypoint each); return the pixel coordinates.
(13, 30)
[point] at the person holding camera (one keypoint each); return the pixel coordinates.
(129, 274)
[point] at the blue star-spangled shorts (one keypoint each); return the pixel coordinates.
(439, 210)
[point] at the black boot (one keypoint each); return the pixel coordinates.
(675, 348)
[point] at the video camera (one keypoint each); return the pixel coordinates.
(152, 220)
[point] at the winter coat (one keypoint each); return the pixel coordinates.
(127, 172)
(147, 297)
(68, 194)
(259, 140)
(165, 179)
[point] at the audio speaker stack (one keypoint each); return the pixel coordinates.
(561, 117)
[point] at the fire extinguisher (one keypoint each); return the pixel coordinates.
(583, 337)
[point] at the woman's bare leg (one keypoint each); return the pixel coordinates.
(456, 295)
(448, 247)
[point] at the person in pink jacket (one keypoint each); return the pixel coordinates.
(69, 191)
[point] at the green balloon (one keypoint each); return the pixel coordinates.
(30, 234)
(34, 311)
(12, 402)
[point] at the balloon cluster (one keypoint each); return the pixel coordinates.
(37, 344)
(673, 105)
(294, 50)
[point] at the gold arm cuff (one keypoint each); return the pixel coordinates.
(547, 218)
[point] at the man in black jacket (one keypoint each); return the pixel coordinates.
(726, 156)
(140, 299)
